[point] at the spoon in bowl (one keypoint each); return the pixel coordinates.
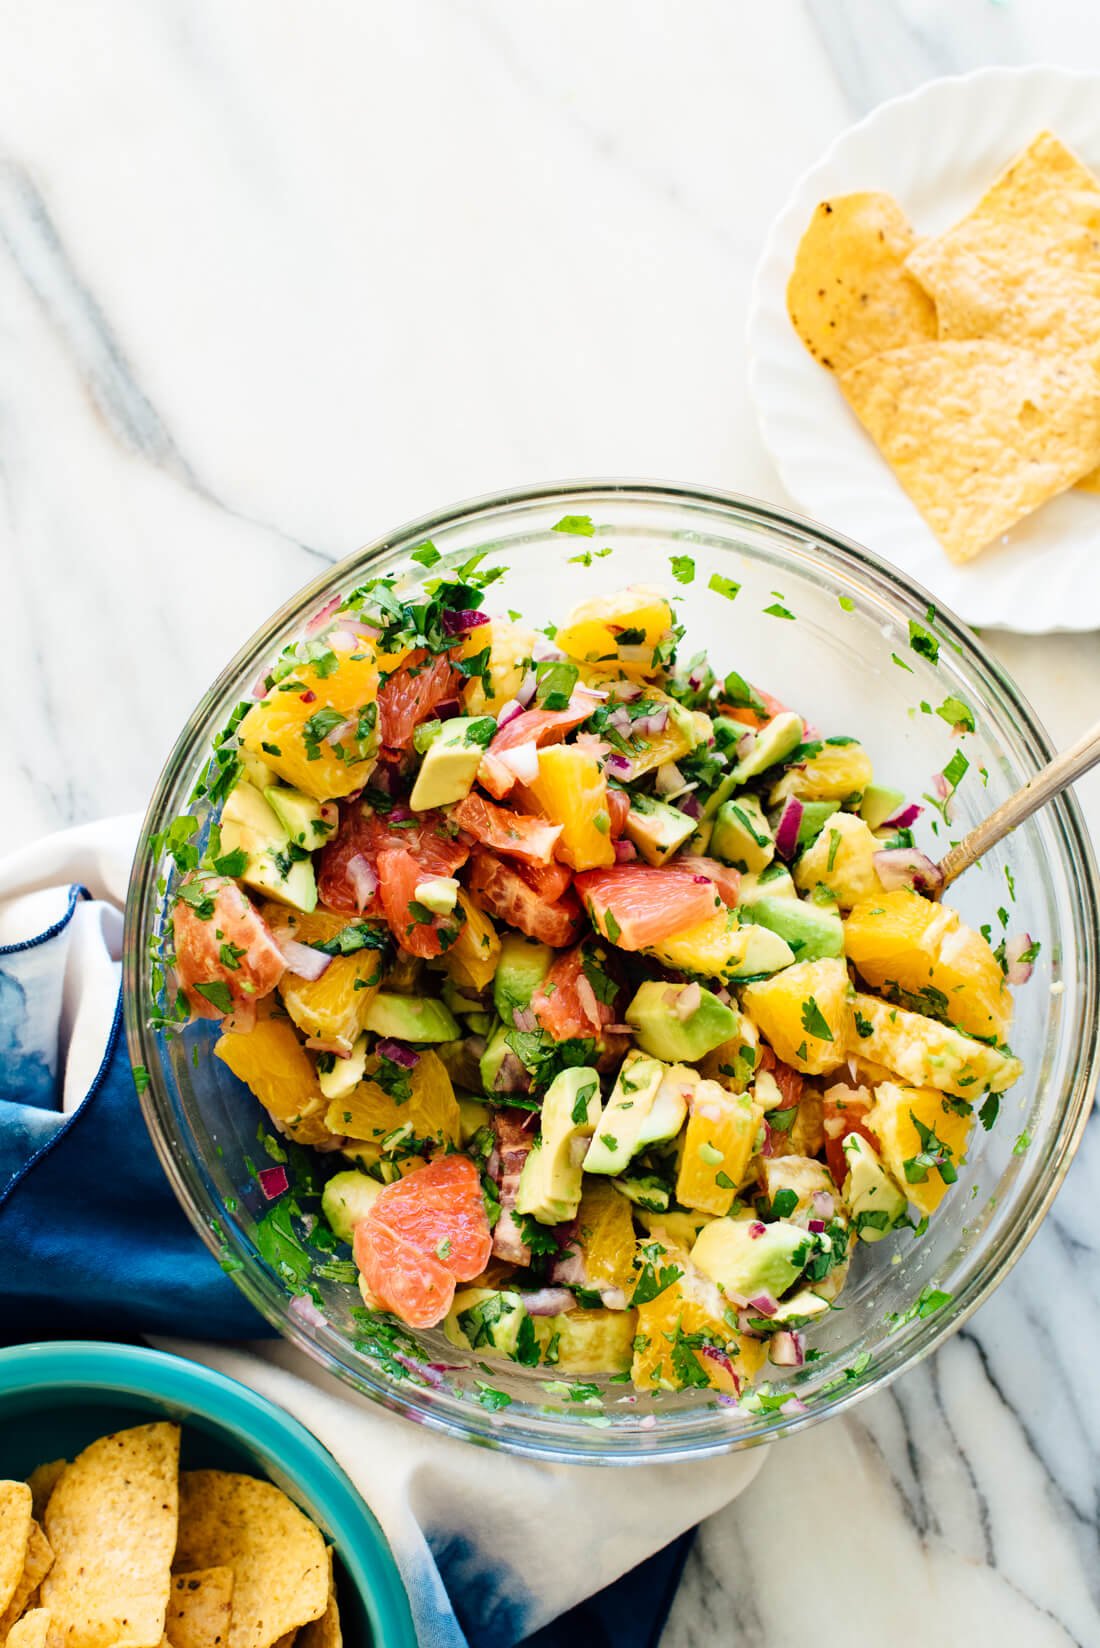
(1064, 770)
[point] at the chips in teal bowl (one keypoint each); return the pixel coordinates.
(56, 1398)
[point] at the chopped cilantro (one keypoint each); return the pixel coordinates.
(776, 610)
(814, 1021)
(579, 525)
(141, 1077)
(1022, 1143)
(990, 1110)
(655, 1276)
(426, 554)
(683, 568)
(922, 640)
(846, 603)
(958, 715)
(217, 994)
(723, 586)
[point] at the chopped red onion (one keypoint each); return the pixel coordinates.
(509, 711)
(309, 697)
(939, 784)
(906, 867)
(343, 640)
(786, 831)
(526, 689)
(669, 779)
(619, 765)
(303, 1309)
(905, 818)
(787, 1350)
(458, 622)
(763, 1304)
(363, 878)
(398, 1053)
(548, 1301)
(322, 615)
(690, 807)
(625, 851)
(744, 744)
(1016, 970)
(421, 1370)
(756, 1229)
(723, 995)
(447, 709)
(512, 1076)
(273, 1181)
(302, 959)
(399, 814)
(713, 1353)
(816, 1226)
(524, 1018)
(342, 731)
(586, 996)
(824, 1204)
(544, 652)
(522, 761)
(584, 691)
(689, 998)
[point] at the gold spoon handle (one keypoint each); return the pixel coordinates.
(1060, 772)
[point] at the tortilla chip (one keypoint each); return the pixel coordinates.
(277, 1555)
(979, 434)
(39, 1561)
(15, 1531)
(325, 1632)
(199, 1608)
(850, 295)
(1024, 265)
(111, 1521)
(32, 1631)
(42, 1482)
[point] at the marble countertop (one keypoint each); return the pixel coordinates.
(275, 278)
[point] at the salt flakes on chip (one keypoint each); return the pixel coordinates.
(277, 1555)
(199, 1608)
(111, 1521)
(15, 1532)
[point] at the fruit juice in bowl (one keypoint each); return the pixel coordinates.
(562, 899)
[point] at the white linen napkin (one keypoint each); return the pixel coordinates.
(490, 1547)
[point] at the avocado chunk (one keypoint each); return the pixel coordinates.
(774, 882)
(494, 1079)
(248, 824)
(490, 1320)
(774, 742)
(645, 1190)
(699, 840)
(801, 1308)
(450, 763)
(747, 1258)
(678, 1023)
(347, 1198)
(473, 1115)
(411, 1018)
(764, 953)
(299, 815)
(815, 814)
(439, 894)
(550, 1182)
(879, 803)
(656, 828)
(679, 1227)
(801, 1177)
(523, 965)
(345, 1074)
(874, 1199)
(742, 835)
(813, 931)
(648, 1103)
(461, 1003)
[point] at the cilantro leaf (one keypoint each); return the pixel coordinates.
(724, 586)
(579, 525)
(683, 568)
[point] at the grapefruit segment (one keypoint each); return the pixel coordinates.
(423, 1233)
(636, 905)
(365, 835)
(411, 693)
(538, 727)
(415, 928)
(502, 890)
(517, 834)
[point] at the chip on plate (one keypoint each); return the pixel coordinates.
(850, 294)
(112, 1520)
(277, 1555)
(39, 1561)
(42, 1482)
(15, 1531)
(32, 1631)
(978, 433)
(199, 1608)
(1023, 265)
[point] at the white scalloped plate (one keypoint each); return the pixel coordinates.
(936, 150)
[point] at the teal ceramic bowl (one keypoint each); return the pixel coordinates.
(56, 1398)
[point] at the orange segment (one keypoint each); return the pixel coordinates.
(805, 1012)
(605, 1230)
(923, 956)
(333, 1008)
(571, 790)
(684, 1333)
(833, 774)
(289, 728)
(717, 1144)
(915, 1126)
(398, 1109)
(619, 631)
(273, 1063)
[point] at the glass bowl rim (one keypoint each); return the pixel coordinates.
(645, 1447)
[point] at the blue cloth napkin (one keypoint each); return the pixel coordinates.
(92, 1236)
(94, 1243)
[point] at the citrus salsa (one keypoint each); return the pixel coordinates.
(615, 998)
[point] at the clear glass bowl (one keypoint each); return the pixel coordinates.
(847, 663)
